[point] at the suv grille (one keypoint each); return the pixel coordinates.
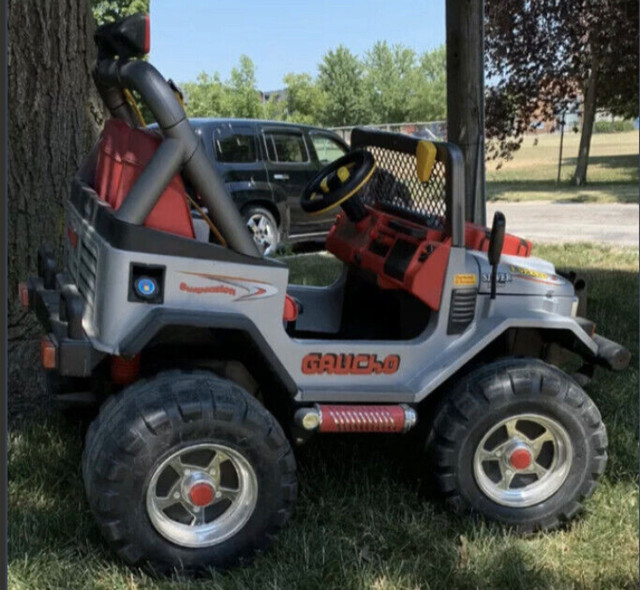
(462, 310)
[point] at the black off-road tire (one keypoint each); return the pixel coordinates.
(493, 393)
(152, 418)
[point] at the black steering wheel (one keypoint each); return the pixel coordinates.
(338, 182)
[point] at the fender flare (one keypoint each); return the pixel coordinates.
(159, 318)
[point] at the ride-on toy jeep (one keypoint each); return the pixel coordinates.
(209, 363)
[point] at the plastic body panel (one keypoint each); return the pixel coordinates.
(225, 291)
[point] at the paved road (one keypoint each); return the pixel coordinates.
(545, 221)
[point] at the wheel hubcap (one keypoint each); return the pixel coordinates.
(523, 460)
(263, 232)
(201, 495)
(520, 459)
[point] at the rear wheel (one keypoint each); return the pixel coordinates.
(519, 442)
(187, 470)
(263, 228)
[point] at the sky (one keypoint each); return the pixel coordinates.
(189, 36)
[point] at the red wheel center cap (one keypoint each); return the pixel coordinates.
(520, 459)
(201, 494)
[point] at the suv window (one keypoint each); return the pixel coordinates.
(286, 147)
(236, 147)
(327, 148)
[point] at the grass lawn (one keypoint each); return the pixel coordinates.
(361, 521)
(612, 174)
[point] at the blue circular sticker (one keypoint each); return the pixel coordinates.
(146, 287)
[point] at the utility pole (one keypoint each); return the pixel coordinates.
(562, 122)
(465, 97)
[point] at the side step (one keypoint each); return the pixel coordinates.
(357, 418)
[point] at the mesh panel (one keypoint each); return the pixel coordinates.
(395, 187)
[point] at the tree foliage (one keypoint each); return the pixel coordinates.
(105, 11)
(305, 100)
(207, 96)
(340, 76)
(244, 97)
(541, 55)
(428, 90)
(390, 84)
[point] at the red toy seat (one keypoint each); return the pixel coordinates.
(123, 154)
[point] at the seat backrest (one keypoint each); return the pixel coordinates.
(124, 152)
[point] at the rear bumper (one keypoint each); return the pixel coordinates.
(60, 309)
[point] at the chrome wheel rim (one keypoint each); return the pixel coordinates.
(263, 232)
(523, 460)
(202, 495)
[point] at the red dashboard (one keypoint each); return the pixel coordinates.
(407, 255)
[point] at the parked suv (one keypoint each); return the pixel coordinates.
(265, 165)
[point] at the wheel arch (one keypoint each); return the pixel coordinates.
(192, 337)
(265, 204)
(550, 345)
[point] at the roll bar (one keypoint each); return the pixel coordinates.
(180, 150)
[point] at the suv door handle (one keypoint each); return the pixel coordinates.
(280, 177)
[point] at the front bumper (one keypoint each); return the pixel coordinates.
(59, 308)
(609, 354)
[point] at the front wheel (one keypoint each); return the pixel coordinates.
(186, 471)
(519, 442)
(263, 228)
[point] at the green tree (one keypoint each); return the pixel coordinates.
(340, 78)
(389, 76)
(427, 91)
(305, 100)
(275, 109)
(244, 98)
(105, 11)
(207, 96)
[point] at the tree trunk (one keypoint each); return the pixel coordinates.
(588, 119)
(465, 97)
(54, 114)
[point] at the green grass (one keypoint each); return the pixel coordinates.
(361, 519)
(531, 175)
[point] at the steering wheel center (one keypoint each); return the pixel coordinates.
(338, 184)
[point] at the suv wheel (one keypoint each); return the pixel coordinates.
(263, 228)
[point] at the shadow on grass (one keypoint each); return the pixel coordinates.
(361, 519)
(514, 190)
(360, 523)
(629, 161)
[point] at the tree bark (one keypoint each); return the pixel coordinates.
(54, 117)
(588, 119)
(465, 97)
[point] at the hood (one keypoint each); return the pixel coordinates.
(523, 276)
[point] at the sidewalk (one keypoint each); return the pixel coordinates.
(545, 221)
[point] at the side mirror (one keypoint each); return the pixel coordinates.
(496, 242)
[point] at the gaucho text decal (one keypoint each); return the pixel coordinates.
(349, 364)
